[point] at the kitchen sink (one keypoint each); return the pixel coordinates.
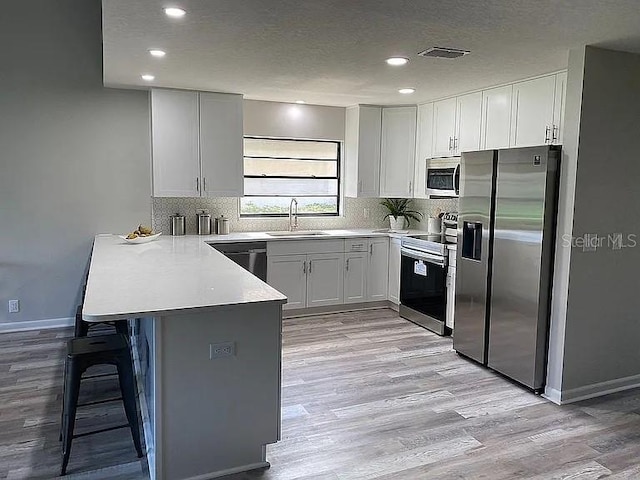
(297, 233)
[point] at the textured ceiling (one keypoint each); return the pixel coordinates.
(332, 52)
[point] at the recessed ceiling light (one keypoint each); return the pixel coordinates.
(397, 61)
(148, 77)
(157, 53)
(174, 12)
(300, 101)
(406, 91)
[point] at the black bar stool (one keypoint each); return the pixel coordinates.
(82, 327)
(86, 352)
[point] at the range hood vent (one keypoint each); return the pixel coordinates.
(444, 52)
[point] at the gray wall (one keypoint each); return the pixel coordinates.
(74, 156)
(602, 339)
(602, 325)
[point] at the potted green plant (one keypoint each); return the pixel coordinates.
(400, 212)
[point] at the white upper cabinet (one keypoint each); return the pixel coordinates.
(444, 127)
(221, 145)
(397, 151)
(456, 125)
(496, 117)
(362, 151)
(174, 131)
(532, 112)
(558, 108)
(424, 149)
(197, 144)
(468, 115)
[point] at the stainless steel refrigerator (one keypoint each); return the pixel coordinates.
(506, 238)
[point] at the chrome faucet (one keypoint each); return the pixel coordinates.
(293, 217)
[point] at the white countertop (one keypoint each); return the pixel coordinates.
(169, 275)
(265, 237)
(175, 274)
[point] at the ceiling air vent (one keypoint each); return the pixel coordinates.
(443, 52)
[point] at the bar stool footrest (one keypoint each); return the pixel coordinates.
(98, 402)
(102, 430)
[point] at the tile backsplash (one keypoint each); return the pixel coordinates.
(358, 213)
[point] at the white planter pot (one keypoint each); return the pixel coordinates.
(396, 224)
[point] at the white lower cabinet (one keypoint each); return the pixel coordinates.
(320, 273)
(325, 279)
(451, 290)
(394, 271)
(378, 270)
(451, 297)
(288, 274)
(355, 277)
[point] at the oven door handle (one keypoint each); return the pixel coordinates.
(426, 257)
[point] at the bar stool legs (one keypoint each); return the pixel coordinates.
(82, 354)
(127, 387)
(70, 404)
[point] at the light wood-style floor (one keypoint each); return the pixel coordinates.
(366, 395)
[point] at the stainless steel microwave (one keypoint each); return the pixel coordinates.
(443, 177)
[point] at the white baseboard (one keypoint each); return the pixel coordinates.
(552, 395)
(341, 308)
(592, 391)
(37, 324)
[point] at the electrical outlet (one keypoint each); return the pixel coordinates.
(14, 306)
(365, 213)
(220, 350)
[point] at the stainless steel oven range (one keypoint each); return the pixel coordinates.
(423, 276)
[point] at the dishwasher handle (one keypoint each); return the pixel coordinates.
(246, 252)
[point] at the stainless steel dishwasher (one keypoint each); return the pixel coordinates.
(252, 256)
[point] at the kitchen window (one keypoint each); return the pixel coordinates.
(277, 170)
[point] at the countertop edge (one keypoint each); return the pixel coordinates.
(176, 311)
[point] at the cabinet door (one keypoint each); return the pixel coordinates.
(398, 151)
(362, 151)
(394, 271)
(468, 115)
(496, 117)
(378, 269)
(558, 108)
(424, 149)
(444, 127)
(451, 297)
(355, 277)
(532, 112)
(325, 279)
(287, 274)
(174, 133)
(221, 144)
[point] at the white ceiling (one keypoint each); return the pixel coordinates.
(332, 52)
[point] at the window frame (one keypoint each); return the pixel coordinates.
(338, 177)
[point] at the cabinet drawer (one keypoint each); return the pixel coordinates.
(295, 247)
(356, 245)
